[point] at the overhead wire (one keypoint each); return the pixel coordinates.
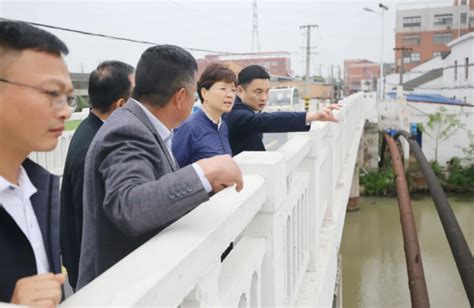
(112, 37)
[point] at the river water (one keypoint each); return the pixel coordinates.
(373, 260)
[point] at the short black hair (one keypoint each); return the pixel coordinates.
(252, 72)
(213, 73)
(108, 83)
(19, 36)
(161, 71)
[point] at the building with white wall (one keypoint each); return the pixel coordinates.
(458, 73)
(451, 76)
(427, 29)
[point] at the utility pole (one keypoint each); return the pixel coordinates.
(332, 73)
(402, 61)
(308, 54)
(255, 36)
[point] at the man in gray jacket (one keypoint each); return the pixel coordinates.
(133, 188)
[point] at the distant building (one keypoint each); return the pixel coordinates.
(360, 75)
(444, 81)
(451, 75)
(276, 63)
(80, 82)
(427, 30)
(458, 73)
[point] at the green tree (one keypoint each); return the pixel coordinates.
(440, 126)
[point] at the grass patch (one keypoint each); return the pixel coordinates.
(72, 125)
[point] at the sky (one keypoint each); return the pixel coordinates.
(345, 30)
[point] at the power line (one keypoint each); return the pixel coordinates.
(115, 37)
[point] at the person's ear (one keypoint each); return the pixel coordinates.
(240, 90)
(180, 98)
(120, 103)
(204, 93)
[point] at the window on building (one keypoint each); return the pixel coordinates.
(411, 40)
(466, 68)
(436, 54)
(463, 2)
(407, 58)
(443, 19)
(414, 21)
(471, 22)
(455, 70)
(415, 57)
(442, 38)
(463, 18)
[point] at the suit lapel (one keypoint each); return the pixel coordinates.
(41, 203)
(132, 105)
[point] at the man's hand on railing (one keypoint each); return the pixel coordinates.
(323, 115)
(221, 171)
(39, 290)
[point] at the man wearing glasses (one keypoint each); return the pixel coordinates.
(35, 100)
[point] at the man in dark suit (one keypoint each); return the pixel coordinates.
(110, 86)
(133, 188)
(35, 100)
(247, 122)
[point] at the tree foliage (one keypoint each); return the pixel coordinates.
(441, 126)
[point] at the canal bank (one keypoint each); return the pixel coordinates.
(373, 261)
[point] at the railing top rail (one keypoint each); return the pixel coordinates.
(295, 150)
(179, 255)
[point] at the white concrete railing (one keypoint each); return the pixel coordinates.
(286, 226)
(79, 115)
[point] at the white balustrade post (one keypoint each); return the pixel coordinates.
(269, 223)
(317, 196)
(331, 170)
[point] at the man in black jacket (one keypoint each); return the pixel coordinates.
(110, 86)
(247, 123)
(35, 100)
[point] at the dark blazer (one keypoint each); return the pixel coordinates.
(246, 127)
(71, 195)
(132, 190)
(17, 259)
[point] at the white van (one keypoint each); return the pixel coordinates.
(284, 99)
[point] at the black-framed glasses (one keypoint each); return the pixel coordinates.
(58, 100)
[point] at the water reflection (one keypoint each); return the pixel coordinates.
(374, 270)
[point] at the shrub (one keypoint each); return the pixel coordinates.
(379, 183)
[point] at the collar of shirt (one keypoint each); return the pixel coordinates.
(167, 137)
(239, 101)
(209, 117)
(163, 131)
(26, 187)
(16, 201)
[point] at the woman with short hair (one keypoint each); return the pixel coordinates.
(204, 134)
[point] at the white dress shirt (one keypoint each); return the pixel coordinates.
(16, 202)
(167, 137)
